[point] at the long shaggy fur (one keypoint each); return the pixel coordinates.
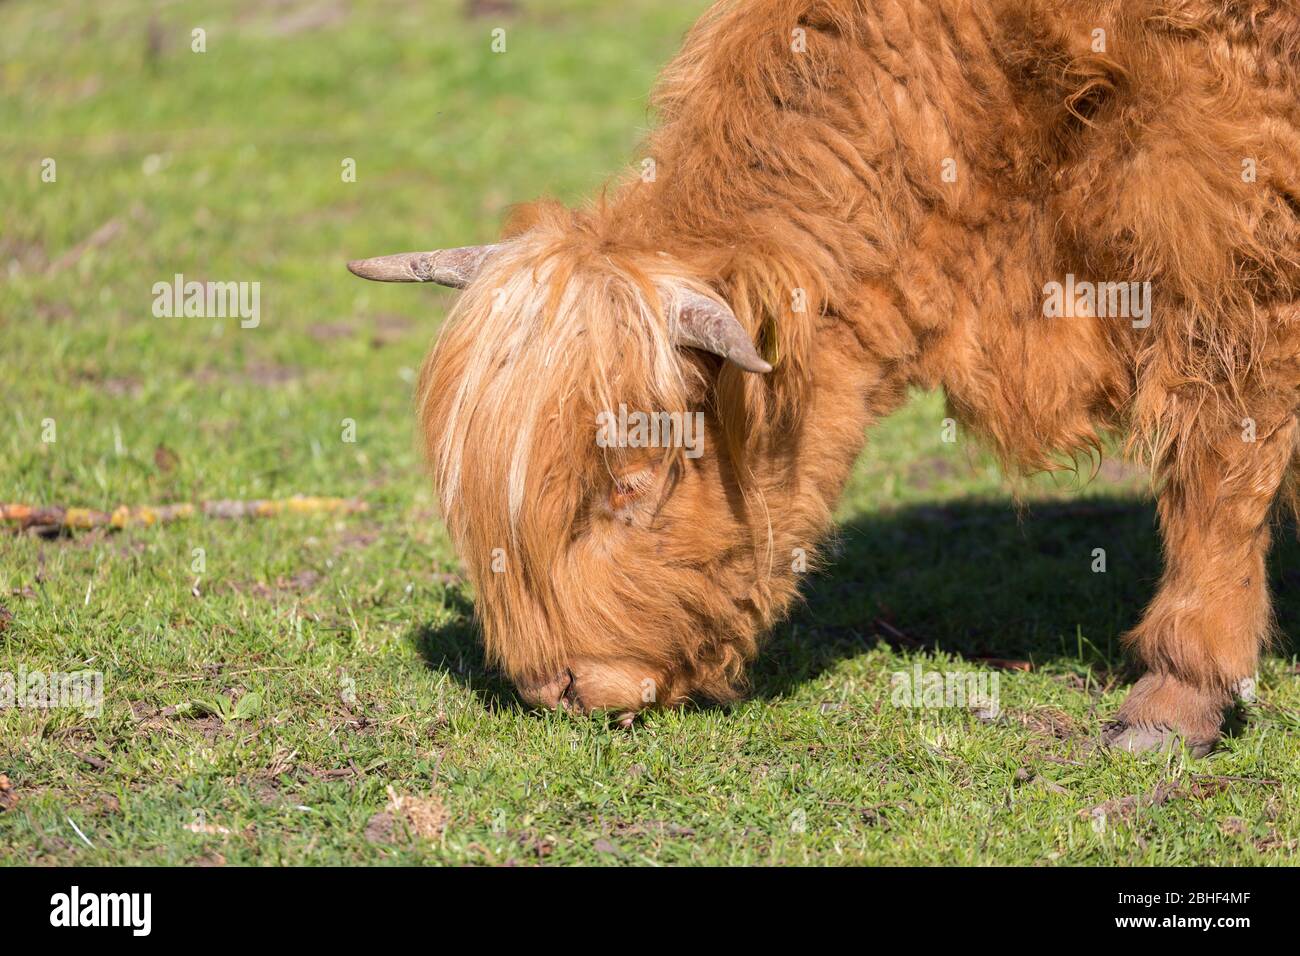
(800, 164)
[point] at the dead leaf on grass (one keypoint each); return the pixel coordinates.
(408, 815)
(1124, 807)
(97, 763)
(1233, 826)
(165, 459)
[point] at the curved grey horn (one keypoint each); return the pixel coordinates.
(454, 268)
(704, 323)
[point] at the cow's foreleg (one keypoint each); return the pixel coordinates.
(1203, 631)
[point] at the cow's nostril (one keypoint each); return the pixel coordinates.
(548, 694)
(587, 686)
(569, 698)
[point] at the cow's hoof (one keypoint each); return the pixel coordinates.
(1139, 738)
(1163, 713)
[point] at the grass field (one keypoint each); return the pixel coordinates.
(313, 692)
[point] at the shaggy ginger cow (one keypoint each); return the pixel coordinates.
(852, 198)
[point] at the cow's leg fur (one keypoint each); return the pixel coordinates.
(1203, 631)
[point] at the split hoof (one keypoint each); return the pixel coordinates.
(1138, 738)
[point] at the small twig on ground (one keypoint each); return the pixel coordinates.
(100, 237)
(895, 633)
(54, 519)
(1216, 778)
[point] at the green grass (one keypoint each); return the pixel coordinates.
(355, 632)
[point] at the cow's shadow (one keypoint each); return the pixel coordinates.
(1046, 582)
(453, 647)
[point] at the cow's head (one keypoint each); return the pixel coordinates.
(585, 414)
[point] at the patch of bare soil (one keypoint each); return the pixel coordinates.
(1124, 808)
(1198, 788)
(331, 331)
(268, 373)
(1051, 722)
(8, 795)
(355, 539)
(92, 376)
(928, 472)
(170, 720)
(490, 8)
(49, 312)
(406, 818)
(104, 804)
(263, 374)
(22, 255)
(313, 16)
(655, 828)
(1046, 725)
(389, 328)
(537, 847)
(300, 582)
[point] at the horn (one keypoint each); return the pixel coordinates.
(704, 323)
(455, 268)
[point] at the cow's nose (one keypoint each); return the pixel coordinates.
(559, 691)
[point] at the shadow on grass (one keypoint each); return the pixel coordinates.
(454, 647)
(976, 579)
